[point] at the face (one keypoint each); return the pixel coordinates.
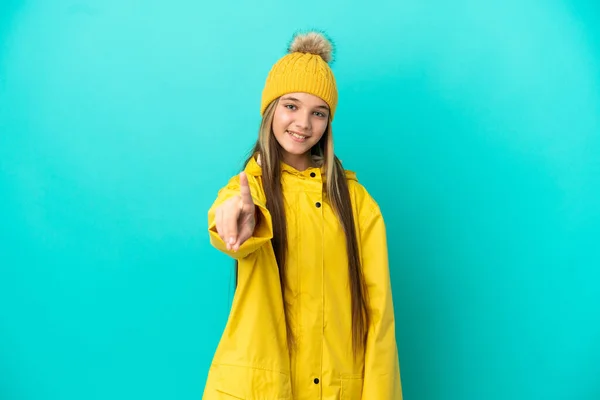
(299, 122)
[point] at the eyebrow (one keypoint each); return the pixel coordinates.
(295, 99)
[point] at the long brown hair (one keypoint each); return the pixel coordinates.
(336, 190)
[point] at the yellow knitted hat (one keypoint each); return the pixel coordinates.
(304, 69)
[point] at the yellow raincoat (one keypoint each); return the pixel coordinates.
(252, 361)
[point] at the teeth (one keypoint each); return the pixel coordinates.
(296, 135)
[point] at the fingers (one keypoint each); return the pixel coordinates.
(245, 233)
(234, 220)
(245, 190)
(229, 220)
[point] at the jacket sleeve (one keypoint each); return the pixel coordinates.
(382, 369)
(263, 231)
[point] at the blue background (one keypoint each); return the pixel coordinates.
(476, 126)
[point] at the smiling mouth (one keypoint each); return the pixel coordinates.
(297, 136)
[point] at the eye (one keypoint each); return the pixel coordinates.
(320, 114)
(290, 106)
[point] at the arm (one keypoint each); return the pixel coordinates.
(262, 231)
(382, 369)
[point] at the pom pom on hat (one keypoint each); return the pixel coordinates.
(313, 43)
(304, 69)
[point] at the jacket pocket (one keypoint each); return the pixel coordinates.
(352, 388)
(248, 383)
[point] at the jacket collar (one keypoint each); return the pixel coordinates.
(254, 168)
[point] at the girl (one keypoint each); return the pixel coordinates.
(312, 316)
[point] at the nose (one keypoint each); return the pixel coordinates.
(303, 121)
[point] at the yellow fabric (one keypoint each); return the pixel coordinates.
(252, 360)
(300, 72)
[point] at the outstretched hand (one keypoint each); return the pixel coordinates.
(235, 218)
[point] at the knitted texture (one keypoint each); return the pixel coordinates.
(301, 72)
